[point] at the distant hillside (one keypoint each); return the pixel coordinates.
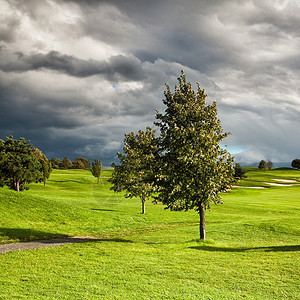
(275, 164)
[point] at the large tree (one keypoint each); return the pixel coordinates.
(135, 172)
(194, 167)
(96, 169)
(19, 163)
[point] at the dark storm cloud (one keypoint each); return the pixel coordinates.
(78, 74)
(117, 67)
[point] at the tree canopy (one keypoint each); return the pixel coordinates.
(81, 163)
(296, 163)
(46, 167)
(262, 164)
(239, 172)
(269, 165)
(22, 163)
(194, 168)
(66, 163)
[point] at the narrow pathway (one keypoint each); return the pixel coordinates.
(41, 244)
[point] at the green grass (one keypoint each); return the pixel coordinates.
(252, 250)
(256, 177)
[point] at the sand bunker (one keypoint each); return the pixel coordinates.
(281, 184)
(250, 187)
(286, 180)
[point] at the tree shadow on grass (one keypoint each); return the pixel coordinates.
(103, 209)
(21, 234)
(8, 235)
(286, 248)
(65, 240)
(64, 181)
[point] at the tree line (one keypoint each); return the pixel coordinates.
(268, 165)
(21, 163)
(79, 163)
(66, 163)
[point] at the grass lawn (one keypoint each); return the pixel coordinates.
(252, 250)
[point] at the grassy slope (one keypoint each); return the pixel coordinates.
(252, 251)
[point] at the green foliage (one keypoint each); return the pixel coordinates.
(66, 163)
(20, 163)
(96, 169)
(269, 165)
(81, 163)
(296, 163)
(239, 172)
(262, 165)
(135, 173)
(55, 163)
(46, 167)
(194, 168)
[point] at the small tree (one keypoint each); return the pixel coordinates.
(96, 169)
(194, 168)
(135, 173)
(296, 163)
(262, 165)
(269, 165)
(66, 163)
(239, 172)
(19, 164)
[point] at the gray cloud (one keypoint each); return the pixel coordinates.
(117, 67)
(76, 75)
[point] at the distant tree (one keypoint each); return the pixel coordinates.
(194, 167)
(96, 169)
(262, 165)
(46, 167)
(55, 163)
(239, 172)
(296, 163)
(269, 165)
(66, 163)
(135, 173)
(81, 163)
(19, 164)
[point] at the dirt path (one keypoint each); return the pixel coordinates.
(41, 244)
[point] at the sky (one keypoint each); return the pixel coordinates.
(76, 75)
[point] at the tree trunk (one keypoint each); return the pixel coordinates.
(17, 185)
(202, 221)
(98, 180)
(143, 205)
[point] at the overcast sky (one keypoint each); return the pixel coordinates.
(76, 75)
